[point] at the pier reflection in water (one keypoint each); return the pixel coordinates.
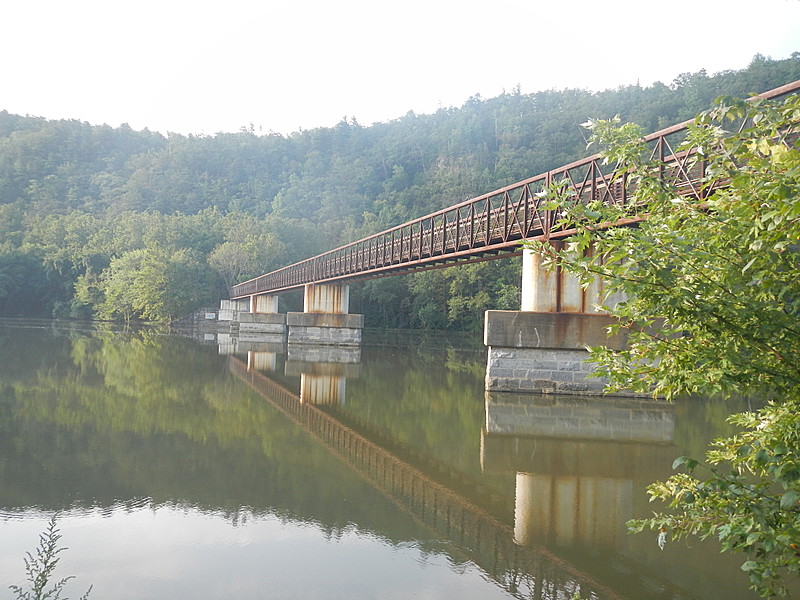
(488, 542)
(576, 462)
(580, 467)
(447, 492)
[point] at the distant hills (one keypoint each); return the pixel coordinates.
(115, 223)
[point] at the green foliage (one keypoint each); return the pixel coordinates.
(479, 287)
(720, 277)
(77, 198)
(747, 495)
(40, 569)
(250, 249)
(712, 298)
(156, 283)
(24, 282)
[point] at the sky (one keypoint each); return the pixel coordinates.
(200, 67)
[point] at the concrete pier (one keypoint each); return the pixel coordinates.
(325, 319)
(544, 352)
(265, 303)
(261, 327)
(555, 291)
(543, 347)
(252, 319)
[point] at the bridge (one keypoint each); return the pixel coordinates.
(558, 318)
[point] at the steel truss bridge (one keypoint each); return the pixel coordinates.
(492, 225)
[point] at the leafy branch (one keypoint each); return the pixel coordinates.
(711, 289)
(41, 566)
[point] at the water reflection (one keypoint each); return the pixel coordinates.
(576, 462)
(579, 465)
(323, 371)
(392, 449)
(488, 542)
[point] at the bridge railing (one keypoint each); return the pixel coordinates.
(490, 225)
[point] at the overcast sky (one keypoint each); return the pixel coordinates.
(203, 67)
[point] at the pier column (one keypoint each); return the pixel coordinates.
(325, 319)
(542, 347)
(555, 290)
(264, 303)
(326, 298)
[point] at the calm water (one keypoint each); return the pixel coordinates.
(180, 469)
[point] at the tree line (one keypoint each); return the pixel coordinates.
(102, 222)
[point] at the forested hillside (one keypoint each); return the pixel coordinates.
(115, 223)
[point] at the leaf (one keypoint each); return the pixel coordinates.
(761, 457)
(789, 499)
(749, 565)
(749, 264)
(690, 463)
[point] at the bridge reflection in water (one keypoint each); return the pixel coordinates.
(512, 554)
(577, 463)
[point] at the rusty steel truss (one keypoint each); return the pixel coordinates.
(492, 225)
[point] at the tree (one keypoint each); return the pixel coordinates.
(154, 283)
(712, 294)
(120, 287)
(250, 249)
(24, 285)
(479, 287)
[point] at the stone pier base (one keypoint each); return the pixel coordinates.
(270, 327)
(545, 352)
(541, 370)
(324, 328)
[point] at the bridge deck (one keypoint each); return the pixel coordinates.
(488, 226)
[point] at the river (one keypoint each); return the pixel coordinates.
(179, 468)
